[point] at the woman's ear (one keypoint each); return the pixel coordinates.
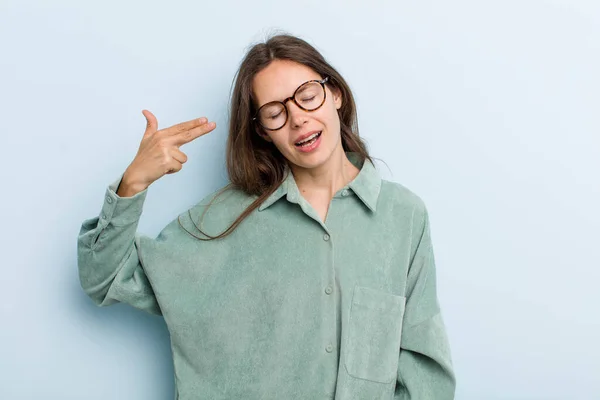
(337, 97)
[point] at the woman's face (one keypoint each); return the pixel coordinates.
(277, 82)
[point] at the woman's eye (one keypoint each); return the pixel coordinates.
(274, 116)
(309, 99)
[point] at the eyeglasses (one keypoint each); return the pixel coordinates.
(309, 96)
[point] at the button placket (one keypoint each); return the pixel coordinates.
(329, 290)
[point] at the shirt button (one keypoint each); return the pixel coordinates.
(325, 237)
(329, 348)
(103, 216)
(109, 199)
(328, 290)
(345, 192)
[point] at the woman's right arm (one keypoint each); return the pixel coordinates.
(110, 260)
(109, 257)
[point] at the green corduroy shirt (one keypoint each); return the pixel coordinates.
(287, 306)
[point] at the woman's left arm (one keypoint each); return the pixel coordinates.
(425, 369)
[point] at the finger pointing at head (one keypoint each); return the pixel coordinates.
(193, 133)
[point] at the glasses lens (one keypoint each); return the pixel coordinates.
(310, 96)
(272, 115)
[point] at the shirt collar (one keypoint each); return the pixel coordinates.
(366, 185)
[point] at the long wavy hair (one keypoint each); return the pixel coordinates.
(254, 165)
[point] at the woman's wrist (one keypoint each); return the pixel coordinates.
(130, 187)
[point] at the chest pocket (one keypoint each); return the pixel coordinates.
(374, 333)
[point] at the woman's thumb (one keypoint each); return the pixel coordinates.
(151, 123)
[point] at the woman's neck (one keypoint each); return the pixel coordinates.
(327, 178)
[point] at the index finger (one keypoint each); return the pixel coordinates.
(192, 134)
(185, 126)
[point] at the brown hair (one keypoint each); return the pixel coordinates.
(254, 165)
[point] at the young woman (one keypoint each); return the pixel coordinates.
(306, 277)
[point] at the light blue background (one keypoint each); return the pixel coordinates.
(486, 109)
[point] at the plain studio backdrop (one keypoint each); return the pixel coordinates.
(488, 110)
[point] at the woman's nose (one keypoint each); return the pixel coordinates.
(297, 116)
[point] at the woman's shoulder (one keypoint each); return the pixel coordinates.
(403, 204)
(397, 195)
(218, 209)
(224, 200)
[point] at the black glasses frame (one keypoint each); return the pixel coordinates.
(292, 97)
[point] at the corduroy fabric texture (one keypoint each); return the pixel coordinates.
(287, 306)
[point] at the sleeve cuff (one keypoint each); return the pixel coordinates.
(121, 210)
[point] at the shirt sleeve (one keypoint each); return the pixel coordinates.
(109, 257)
(425, 369)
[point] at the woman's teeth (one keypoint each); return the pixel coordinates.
(309, 140)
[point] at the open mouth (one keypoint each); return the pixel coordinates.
(309, 140)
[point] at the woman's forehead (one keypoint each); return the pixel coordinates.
(280, 79)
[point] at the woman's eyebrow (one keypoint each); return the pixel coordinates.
(283, 98)
(294, 91)
(271, 101)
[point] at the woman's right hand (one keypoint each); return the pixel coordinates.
(159, 152)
